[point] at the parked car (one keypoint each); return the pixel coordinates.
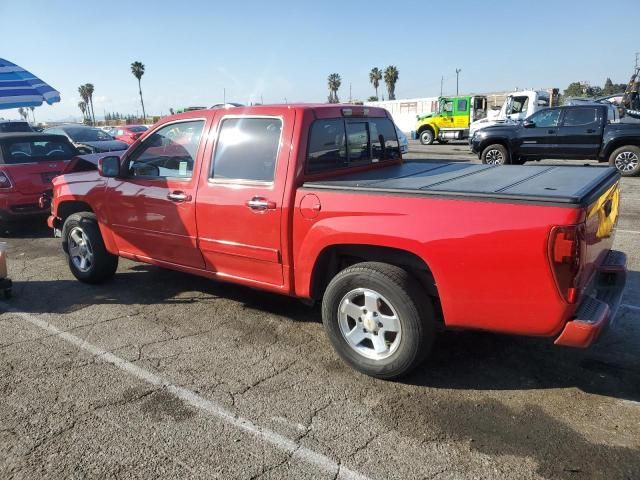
(12, 126)
(585, 131)
(315, 202)
(226, 105)
(128, 133)
(28, 162)
(88, 139)
(404, 141)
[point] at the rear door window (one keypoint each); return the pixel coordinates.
(247, 149)
(578, 117)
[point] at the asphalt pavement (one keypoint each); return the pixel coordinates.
(158, 374)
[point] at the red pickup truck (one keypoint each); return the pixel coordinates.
(315, 202)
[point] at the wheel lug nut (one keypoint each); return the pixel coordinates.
(364, 311)
(360, 319)
(365, 330)
(380, 324)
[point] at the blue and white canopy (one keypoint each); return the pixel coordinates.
(20, 88)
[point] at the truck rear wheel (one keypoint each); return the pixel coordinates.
(89, 260)
(495, 154)
(626, 160)
(426, 136)
(378, 319)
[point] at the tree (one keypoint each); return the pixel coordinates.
(372, 99)
(391, 76)
(33, 114)
(89, 87)
(375, 75)
(334, 82)
(24, 113)
(611, 88)
(83, 108)
(575, 89)
(82, 90)
(137, 69)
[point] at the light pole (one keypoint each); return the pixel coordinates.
(458, 70)
(441, 82)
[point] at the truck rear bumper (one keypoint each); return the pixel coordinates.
(598, 308)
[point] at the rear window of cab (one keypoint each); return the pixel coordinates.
(38, 150)
(339, 143)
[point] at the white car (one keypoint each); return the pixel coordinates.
(403, 141)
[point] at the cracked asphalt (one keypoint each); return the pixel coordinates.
(158, 374)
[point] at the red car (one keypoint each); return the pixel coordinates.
(128, 133)
(28, 162)
(314, 201)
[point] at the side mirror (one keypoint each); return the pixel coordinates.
(109, 166)
(529, 124)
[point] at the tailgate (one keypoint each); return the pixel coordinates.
(601, 220)
(30, 178)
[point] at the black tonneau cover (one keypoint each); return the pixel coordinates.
(529, 183)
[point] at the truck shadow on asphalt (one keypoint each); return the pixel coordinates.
(464, 360)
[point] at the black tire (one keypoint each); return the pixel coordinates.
(496, 154)
(427, 137)
(413, 308)
(626, 160)
(103, 265)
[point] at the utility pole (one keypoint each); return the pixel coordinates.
(458, 70)
(350, 100)
(441, 83)
(637, 56)
(224, 95)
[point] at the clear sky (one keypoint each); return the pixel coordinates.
(194, 49)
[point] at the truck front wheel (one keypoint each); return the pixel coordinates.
(89, 260)
(496, 154)
(426, 137)
(626, 160)
(378, 319)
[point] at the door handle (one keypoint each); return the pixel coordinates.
(260, 204)
(178, 196)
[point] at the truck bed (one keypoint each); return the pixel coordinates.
(557, 185)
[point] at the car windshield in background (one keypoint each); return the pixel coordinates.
(137, 129)
(13, 127)
(34, 150)
(88, 134)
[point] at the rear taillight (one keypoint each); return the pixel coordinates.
(4, 181)
(567, 250)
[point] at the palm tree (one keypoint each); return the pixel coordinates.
(83, 108)
(137, 68)
(391, 75)
(82, 90)
(334, 81)
(23, 113)
(33, 114)
(89, 87)
(375, 75)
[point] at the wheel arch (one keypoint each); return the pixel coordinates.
(334, 258)
(616, 144)
(69, 207)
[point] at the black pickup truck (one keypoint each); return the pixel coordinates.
(571, 132)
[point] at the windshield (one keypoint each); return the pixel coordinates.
(88, 135)
(36, 150)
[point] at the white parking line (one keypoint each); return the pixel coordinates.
(626, 231)
(281, 442)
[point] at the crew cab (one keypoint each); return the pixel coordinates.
(315, 202)
(28, 162)
(586, 131)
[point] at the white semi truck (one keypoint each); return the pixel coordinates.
(517, 106)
